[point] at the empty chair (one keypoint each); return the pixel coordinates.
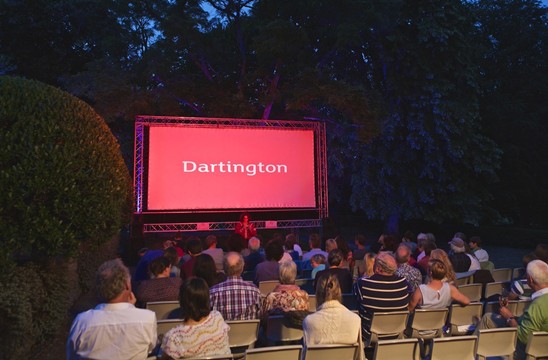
(242, 335)
(518, 273)
(266, 287)
(277, 332)
(497, 342)
(387, 324)
(289, 352)
(311, 302)
(399, 349)
(454, 348)
(428, 323)
(495, 288)
(502, 274)
(463, 319)
(537, 345)
(331, 351)
(163, 309)
(472, 291)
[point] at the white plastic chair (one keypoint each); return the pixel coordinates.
(497, 342)
(454, 348)
(537, 345)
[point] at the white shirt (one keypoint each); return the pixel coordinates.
(112, 331)
(539, 293)
(474, 263)
(482, 255)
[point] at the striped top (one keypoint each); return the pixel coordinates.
(380, 293)
(207, 338)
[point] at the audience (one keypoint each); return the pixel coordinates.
(332, 323)
(235, 298)
(203, 332)
(411, 274)
(161, 287)
(212, 250)
(344, 277)
(115, 329)
(268, 269)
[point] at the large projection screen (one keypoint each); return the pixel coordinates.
(205, 164)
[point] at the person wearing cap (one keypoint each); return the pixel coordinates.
(460, 261)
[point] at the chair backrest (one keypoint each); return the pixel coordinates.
(494, 307)
(454, 348)
(517, 273)
(243, 333)
(464, 318)
(472, 291)
(464, 278)
(537, 345)
(494, 288)
(164, 326)
(521, 306)
(277, 332)
(212, 357)
(306, 284)
(400, 349)
(428, 323)
(388, 324)
(497, 342)
(162, 308)
(266, 287)
(289, 352)
(331, 351)
(311, 302)
(502, 274)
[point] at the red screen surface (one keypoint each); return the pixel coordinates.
(229, 168)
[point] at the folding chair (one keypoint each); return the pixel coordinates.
(518, 273)
(494, 307)
(277, 332)
(331, 351)
(464, 278)
(454, 348)
(289, 352)
(502, 274)
(537, 345)
(163, 309)
(472, 291)
(387, 324)
(242, 336)
(463, 319)
(266, 287)
(163, 326)
(428, 323)
(496, 342)
(521, 306)
(306, 284)
(495, 288)
(400, 349)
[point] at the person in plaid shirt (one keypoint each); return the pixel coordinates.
(235, 298)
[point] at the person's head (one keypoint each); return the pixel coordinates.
(409, 236)
(402, 254)
(112, 280)
(235, 242)
(204, 267)
(437, 269)
(461, 236)
(274, 251)
(210, 242)
(233, 264)
(315, 241)
(457, 245)
(316, 260)
(527, 258)
(330, 244)
(369, 260)
(359, 240)
(194, 245)
(287, 272)
(254, 244)
(385, 264)
(537, 274)
(290, 241)
(342, 245)
(171, 254)
(159, 267)
(541, 252)
(194, 299)
(335, 257)
(245, 217)
(327, 289)
(390, 243)
(475, 242)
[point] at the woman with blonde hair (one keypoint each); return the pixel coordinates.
(450, 276)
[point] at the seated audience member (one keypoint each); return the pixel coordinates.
(315, 243)
(412, 274)
(205, 268)
(343, 275)
(203, 332)
(332, 323)
(361, 248)
(141, 270)
(235, 243)
(289, 247)
(212, 250)
(460, 261)
(535, 317)
(330, 244)
(286, 296)
(423, 239)
(115, 329)
(171, 254)
(541, 252)
(369, 261)
(235, 298)
(388, 243)
(342, 245)
(422, 264)
(410, 240)
(477, 250)
(268, 269)
(384, 291)
(194, 248)
(450, 276)
(318, 264)
(255, 257)
(292, 239)
(437, 294)
(161, 287)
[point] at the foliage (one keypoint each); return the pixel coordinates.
(63, 180)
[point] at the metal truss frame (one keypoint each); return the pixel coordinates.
(213, 226)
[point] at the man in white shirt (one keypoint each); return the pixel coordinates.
(115, 329)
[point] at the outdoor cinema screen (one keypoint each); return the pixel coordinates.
(190, 167)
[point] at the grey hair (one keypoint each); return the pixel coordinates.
(402, 254)
(386, 263)
(538, 271)
(254, 243)
(288, 272)
(233, 264)
(111, 279)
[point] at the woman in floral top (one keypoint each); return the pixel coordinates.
(203, 332)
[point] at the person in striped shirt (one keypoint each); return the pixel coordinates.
(384, 291)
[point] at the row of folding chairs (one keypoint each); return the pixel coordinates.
(477, 291)
(499, 275)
